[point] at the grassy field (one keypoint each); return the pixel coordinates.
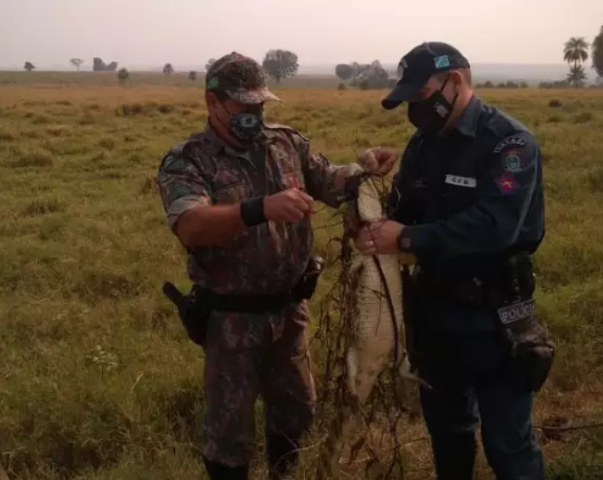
(97, 379)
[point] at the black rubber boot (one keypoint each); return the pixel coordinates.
(282, 454)
(217, 471)
(454, 455)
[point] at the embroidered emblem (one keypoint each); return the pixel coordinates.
(507, 183)
(442, 61)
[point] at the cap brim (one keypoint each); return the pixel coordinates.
(402, 92)
(254, 97)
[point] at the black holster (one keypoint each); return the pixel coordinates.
(194, 309)
(508, 292)
(531, 352)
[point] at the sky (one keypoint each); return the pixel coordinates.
(152, 32)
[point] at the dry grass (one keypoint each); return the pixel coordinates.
(98, 381)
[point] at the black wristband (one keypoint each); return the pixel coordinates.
(252, 211)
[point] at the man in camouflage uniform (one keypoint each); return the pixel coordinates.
(239, 196)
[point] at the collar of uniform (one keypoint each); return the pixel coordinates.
(211, 141)
(468, 121)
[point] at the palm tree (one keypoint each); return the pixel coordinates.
(29, 66)
(168, 69)
(576, 76)
(575, 50)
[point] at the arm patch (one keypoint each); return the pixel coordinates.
(515, 154)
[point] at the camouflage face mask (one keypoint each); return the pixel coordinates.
(247, 126)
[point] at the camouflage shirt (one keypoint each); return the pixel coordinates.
(267, 258)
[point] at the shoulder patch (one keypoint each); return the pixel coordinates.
(507, 183)
(175, 164)
(514, 161)
(179, 191)
(513, 141)
(515, 153)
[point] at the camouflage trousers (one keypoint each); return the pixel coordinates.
(250, 356)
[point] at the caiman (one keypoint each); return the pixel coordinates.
(372, 310)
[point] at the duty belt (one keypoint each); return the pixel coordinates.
(510, 282)
(262, 303)
(241, 303)
(195, 308)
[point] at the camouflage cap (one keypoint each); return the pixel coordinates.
(241, 77)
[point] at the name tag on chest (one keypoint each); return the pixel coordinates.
(460, 181)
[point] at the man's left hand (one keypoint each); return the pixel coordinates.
(379, 237)
(378, 160)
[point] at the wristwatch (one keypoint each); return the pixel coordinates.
(404, 242)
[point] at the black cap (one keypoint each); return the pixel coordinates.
(417, 66)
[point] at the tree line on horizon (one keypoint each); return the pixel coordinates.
(280, 64)
(576, 52)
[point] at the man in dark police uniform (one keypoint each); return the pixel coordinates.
(467, 205)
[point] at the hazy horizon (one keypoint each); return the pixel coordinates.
(149, 33)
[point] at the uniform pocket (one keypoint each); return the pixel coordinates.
(231, 194)
(294, 179)
(457, 198)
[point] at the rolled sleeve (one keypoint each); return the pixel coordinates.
(182, 187)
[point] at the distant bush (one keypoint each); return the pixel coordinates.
(583, 117)
(507, 84)
(7, 134)
(144, 109)
(554, 84)
(123, 76)
(365, 77)
(555, 103)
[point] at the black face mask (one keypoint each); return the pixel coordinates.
(430, 115)
(247, 125)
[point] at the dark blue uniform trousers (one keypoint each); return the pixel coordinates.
(465, 367)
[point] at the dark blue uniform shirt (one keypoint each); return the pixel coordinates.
(471, 197)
